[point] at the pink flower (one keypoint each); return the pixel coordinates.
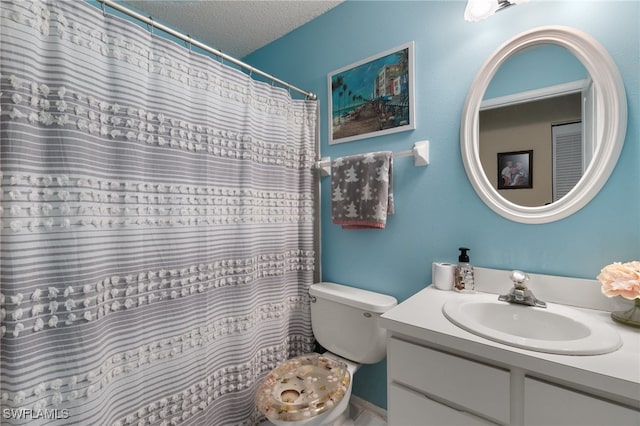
(621, 279)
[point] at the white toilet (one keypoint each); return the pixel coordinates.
(315, 389)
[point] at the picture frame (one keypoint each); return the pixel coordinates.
(372, 97)
(515, 169)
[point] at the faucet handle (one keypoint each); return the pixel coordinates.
(519, 293)
(519, 278)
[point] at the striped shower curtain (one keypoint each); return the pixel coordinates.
(157, 222)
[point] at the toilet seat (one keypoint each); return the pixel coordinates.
(303, 387)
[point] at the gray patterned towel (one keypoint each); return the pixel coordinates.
(361, 190)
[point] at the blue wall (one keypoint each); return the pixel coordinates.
(436, 208)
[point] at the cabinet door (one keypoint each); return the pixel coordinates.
(480, 388)
(547, 404)
(409, 408)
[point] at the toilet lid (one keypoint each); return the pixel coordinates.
(303, 387)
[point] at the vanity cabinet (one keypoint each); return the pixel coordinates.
(441, 374)
(428, 386)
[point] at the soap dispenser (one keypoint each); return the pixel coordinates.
(464, 279)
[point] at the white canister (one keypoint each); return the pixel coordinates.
(442, 275)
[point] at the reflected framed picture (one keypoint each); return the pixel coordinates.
(514, 169)
(372, 97)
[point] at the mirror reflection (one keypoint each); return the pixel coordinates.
(536, 125)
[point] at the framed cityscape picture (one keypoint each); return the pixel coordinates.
(372, 97)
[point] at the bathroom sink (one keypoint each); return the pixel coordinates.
(556, 329)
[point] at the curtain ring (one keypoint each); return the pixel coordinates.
(104, 12)
(189, 42)
(150, 25)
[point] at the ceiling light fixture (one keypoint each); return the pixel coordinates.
(478, 10)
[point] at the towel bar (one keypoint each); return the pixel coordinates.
(420, 153)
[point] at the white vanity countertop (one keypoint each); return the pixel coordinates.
(420, 318)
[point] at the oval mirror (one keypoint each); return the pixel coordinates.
(539, 142)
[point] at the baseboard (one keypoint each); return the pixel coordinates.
(368, 406)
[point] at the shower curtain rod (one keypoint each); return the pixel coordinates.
(188, 39)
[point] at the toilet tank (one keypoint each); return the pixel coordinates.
(346, 321)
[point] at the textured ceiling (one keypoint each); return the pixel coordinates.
(238, 27)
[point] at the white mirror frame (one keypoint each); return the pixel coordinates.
(611, 123)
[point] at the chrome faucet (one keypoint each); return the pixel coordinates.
(520, 293)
